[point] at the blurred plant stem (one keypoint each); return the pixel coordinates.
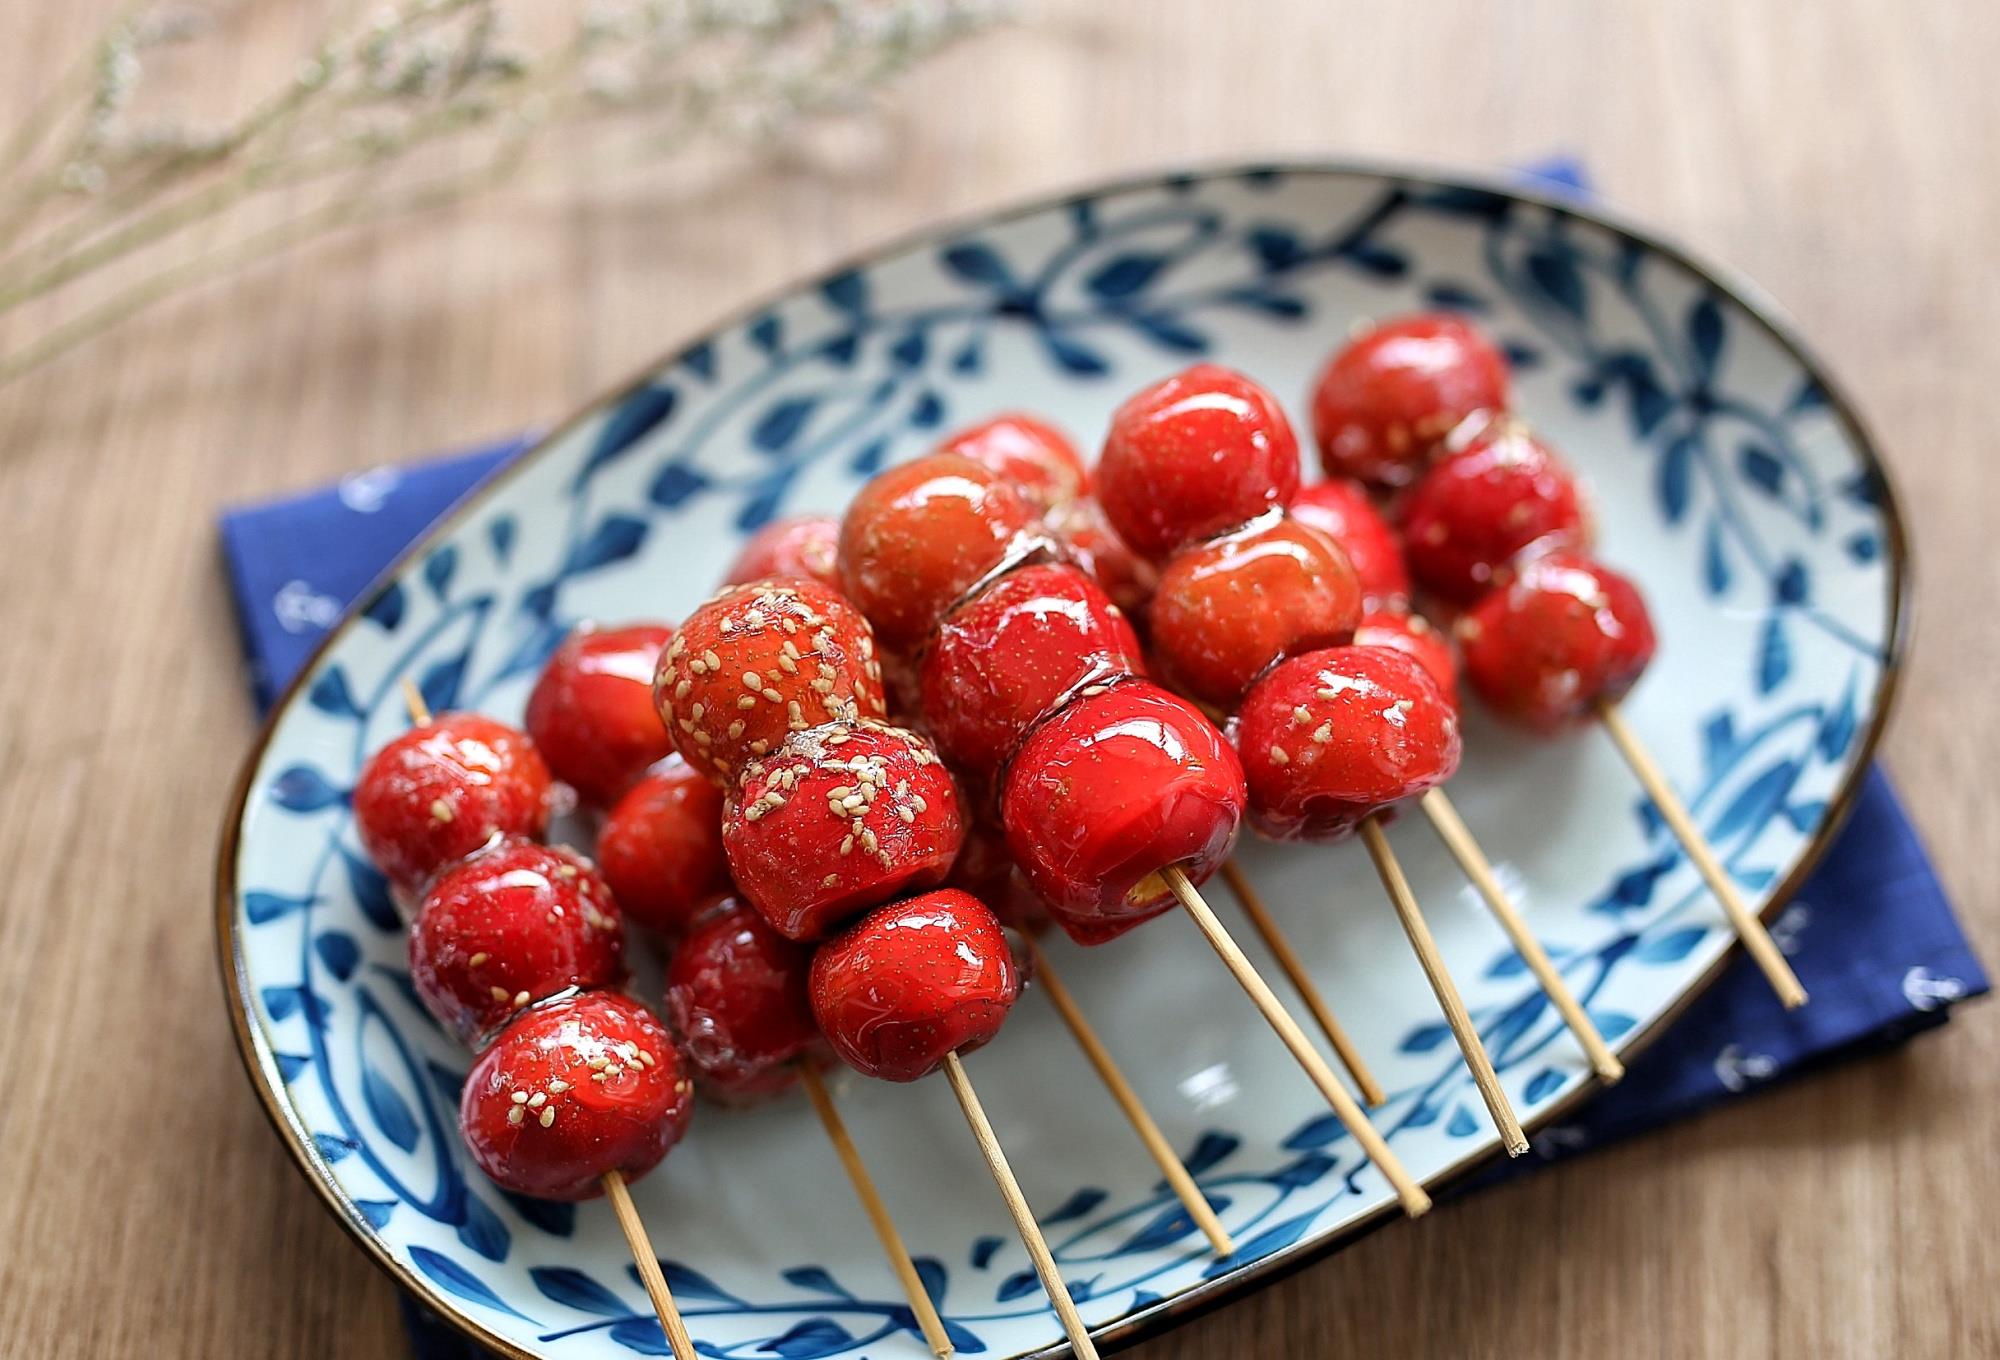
(93, 185)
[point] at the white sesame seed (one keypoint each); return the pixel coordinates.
(520, 1097)
(520, 999)
(537, 1100)
(558, 1086)
(1278, 756)
(548, 1117)
(516, 1115)
(441, 810)
(476, 959)
(499, 993)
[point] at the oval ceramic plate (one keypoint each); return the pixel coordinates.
(1727, 476)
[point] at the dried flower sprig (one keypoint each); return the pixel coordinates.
(94, 181)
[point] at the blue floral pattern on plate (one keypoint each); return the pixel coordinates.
(1725, 476)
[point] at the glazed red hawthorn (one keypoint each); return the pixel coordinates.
(440, 791)
(1341, 510)
(572, 1089)
(1121, 783)
(661, 847)
(1567, 633)
(1006, 658)
(1330, 737)
(736, 997)
(920, 536)
(1086, 537)
(837, 819)
(1385, 400)
(1201, 453)
(514, 923)
(1032, 456)
(758, 661)
(591, 713)
(1472, 517)
(801, 545)
(1228, 608)
(1413, 633)
(914, 981)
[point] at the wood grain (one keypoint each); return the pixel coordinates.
(1844, 153)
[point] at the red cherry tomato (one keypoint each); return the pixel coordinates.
(440, 791)
(838, 819)
(1330, 737)
(1087, 539)
(1567, 633)
(761, 660)
(1004, 660)
(802, 545)
(1229, 608)
(572, 1089)
(1032, 456)
(1121, 783)
(591, 713)
(1386, 400)
(912, 982)
(1194, 456)
(661, 847)
(1413, 633)
(1341, 510)
(736, 997)
(920, 536)
(515, 923)
(1476, 513)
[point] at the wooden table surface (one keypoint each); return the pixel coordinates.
(1844, 154)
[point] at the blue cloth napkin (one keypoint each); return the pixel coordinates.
(1870, 935)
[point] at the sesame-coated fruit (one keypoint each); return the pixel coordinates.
(1119, 785)
(1566, 634)
(573, 1089)
(1196, 455)
(1478, 512)
(514, 924)
(591, 713)
(661, 847)
(1331, 737)
(1417, 635)
(1390, 396)
(1032, 456)
(736, 998)
(1231, 607)
(759, 661)
(1008, 657)
(799, 545)
(441, 790)
(914, 981)
(838, 819)
(1341, 510)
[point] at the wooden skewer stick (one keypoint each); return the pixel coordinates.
(1136, 1113)
(1455, 1014)
(1415, 1201)
(1749, 928)
(413, 699)
(1294, 969)
(1017, 1205)
(1452, 831)
(878, 1213)
(643, 1255)
(649, 1266)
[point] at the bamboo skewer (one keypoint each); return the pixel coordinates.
(1017, 1205)
(1164, 1156)
(1462, 1028)
(650, 1273)
(1294, 969)
(615, 1190)
(1412, 1195)
(1451, 829)
(919, 1298)
(1749, 929)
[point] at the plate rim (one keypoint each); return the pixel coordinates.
(259, 1062)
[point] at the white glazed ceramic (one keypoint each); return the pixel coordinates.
(1726, 475)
